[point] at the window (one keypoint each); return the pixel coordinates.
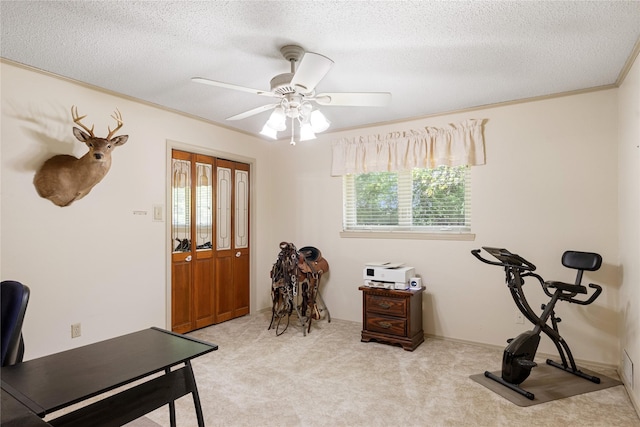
(434, 200)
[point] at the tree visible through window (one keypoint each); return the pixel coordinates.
(429, 200)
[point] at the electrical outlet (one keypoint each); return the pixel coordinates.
(75, 330)
(627, 369)
(520, 318)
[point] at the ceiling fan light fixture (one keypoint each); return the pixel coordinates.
(305, 109)
(306, 133)
(269, 131)
(319, 123)
(277, 120)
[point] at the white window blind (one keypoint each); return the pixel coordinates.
(432, 200)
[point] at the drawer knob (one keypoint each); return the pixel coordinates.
(385, 325)
(384, 305)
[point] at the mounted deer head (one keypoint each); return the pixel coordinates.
(64, 179)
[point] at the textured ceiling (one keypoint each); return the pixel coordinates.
(433, 57)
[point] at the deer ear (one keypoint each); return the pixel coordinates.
(82, 136)
(120, 140)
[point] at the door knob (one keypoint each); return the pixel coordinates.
(188, 258)
(238, 254)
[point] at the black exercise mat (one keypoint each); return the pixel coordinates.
(547, 383)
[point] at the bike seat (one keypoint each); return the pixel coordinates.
(567, 287)
(580, 261)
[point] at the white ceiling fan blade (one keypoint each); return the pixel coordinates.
(253, 112)
(359, 99)
(313, 67)
(232, 86)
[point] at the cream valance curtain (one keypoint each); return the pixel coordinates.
(454, 145)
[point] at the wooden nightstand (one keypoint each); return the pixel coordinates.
(392, 316)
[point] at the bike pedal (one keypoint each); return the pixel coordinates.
(558, 320)
(527, 363)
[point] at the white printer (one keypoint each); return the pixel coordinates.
(387, 275)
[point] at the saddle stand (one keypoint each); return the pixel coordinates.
(295, 285)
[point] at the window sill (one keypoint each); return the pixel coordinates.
(407, 235)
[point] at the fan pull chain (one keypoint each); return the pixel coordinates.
(293, 131)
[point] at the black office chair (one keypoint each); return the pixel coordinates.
(14, 298)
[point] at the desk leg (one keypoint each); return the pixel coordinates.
(172, 407)
(196, 396)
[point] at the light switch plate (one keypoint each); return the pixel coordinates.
(157, 213)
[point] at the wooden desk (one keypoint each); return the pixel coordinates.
(15, 414)
(54, 382)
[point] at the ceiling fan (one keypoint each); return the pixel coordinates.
(294, 93)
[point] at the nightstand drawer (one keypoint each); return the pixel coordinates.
(386, 305)
(392, 316)
(386, 325)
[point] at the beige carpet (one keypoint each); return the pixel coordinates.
(330, 378)
(142, 422)
(547, 383)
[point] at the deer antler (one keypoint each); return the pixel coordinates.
(118, 118)
(76, 120)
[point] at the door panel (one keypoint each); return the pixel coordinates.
(241, 240)
(180, 296)
(192, 277)
(181, 257)
(203, 304)
(224, 288)
(241, 208)
(232, 240)
(209, 241)
(203, 292)
(223, 205)
(241, 285)
(224, 253)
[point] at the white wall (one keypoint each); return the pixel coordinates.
(95, 262)
(550, 184)
(629, 231)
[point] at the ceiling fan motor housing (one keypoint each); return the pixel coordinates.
(281, 84)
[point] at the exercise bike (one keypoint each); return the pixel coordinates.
(518, 356)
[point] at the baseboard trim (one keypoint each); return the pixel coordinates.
(632, 398)
(582, 362)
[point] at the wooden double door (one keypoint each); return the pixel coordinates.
(210, 240)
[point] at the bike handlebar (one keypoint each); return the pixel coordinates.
(569, 297)
(591, 299)
(506, 258)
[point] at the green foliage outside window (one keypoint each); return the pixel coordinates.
(377, 198)
(439, 196)
(422, 198)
